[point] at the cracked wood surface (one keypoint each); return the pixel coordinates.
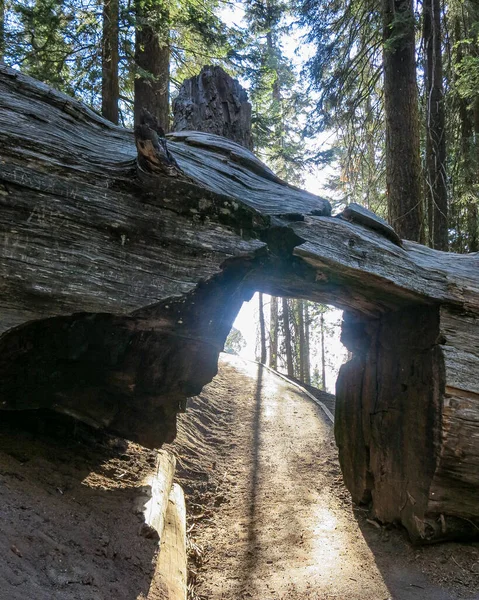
(120, 286)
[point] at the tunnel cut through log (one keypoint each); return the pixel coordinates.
(122, 275)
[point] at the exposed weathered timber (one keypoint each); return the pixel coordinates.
(358, 214)
(214, 102)
(170, 582)
(160, 485)
(120, 282)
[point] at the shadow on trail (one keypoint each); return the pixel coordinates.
(252, 539)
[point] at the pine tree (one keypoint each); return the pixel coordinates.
(276, 101)
(462, 102)
(345, 73)
(110, 91)
(152, 60)
(403, 166)
(435, 130)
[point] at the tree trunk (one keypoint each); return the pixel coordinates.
(262, 330)
(307, 364)
(323, 354)
(273, 333)
(110, 89)
(302, 344)
(473, 212)
(403, 166)
(287, 338)
(152, 58)
(436, 177)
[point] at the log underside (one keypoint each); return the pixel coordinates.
(120, 286)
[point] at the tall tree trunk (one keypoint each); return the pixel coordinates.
(110, 88)
(436, 180)
(403, 166)
(323, 355)
(287, 338)
(307, 366)
(473, 213)
(152, 58)
(262, 330)
(273, 333)
(302, 348)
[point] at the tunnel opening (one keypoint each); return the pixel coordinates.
(311, 347)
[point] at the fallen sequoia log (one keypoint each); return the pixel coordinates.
(122, 275)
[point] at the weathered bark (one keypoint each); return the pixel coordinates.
(262, 330)
(436, 177)
(411, 367)
(403, 165)
(214, 102)
(123, 269)
(287, 338)
(152, 59)
(110, 88)
(273, 333)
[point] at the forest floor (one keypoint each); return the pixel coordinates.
(269, 517)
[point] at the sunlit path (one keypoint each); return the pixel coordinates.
(287, 530)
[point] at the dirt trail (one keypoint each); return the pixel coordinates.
(284, 527)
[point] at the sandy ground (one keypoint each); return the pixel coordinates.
(271, 519)
(71, 521)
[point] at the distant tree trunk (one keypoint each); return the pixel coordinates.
(472, 227)
(300, 308)
(403, 166)
(262, 330)
(307, 366)
(110, 89)
(323, 355)
(287, 338)
(273, 333)
(473, 213)
(436, 180)
(152, 58)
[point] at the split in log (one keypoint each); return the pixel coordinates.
(120, 284)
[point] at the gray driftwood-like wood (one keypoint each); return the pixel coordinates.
(172, 573)
(120, 282)
(358, 214)
(214, 102)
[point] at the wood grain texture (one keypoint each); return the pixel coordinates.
(119, 286)
(170, 578)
